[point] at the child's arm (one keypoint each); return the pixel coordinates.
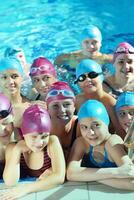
(55, 178)
(11, 172)
(77, 173)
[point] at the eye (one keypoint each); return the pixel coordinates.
(14, 76)
(46, 78)
(96, 125)
(83, 127)
(67, 105)
(130, 61)
(131, 112)
(36, 80)
(4, 77)
(34, 136)
(121, 62)
(55, 106)
(122, 114)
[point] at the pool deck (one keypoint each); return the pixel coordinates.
(79, 191)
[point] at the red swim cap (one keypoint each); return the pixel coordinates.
(41, 66)
(35, 119)
(59, 90)
(123, 48)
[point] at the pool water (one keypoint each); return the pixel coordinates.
(51, 27)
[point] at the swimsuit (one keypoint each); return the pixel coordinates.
(26, 171)
(89, 162)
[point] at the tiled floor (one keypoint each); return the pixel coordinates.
(79, 191)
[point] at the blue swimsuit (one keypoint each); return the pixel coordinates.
(88, 160)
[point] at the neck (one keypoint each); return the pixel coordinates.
(95, 95)
(15, 98)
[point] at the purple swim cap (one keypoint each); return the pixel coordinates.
(35, 119)
(60, 90)
(41, 66)
(5, 106)
(123, 48)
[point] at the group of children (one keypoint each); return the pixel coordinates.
(56, 133)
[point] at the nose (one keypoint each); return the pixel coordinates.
(42, 83)
(62, 108)
(129, 116)
(91, 131)
(11, 80)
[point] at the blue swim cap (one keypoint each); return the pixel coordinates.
(91, 32)
(88, 65)
(11, 63)
(11, 51)
(125, 99)
(93, 109)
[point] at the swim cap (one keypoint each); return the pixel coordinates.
(5, 106)
(123, 48)
(88, 65)
(59, 90)
(93, 109)
(11, 63)
(41, 66)
(91, 32)
(12, 51)
(125, 99)
(35, 119)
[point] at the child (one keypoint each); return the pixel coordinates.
(106, 160)
(39, 155)
(125, 110)
(91, 39)
(61, 107)
(43, 75)
(123, 77)
(89, 77)
(6, 128)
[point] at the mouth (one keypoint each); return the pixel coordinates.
(63, 117)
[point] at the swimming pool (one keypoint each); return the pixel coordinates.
(50, 27)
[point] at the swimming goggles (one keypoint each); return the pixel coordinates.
(125, 50)
(65, 93)
(5, 113)
(90, 75)
(42, 68)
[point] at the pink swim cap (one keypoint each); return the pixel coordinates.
(123, 48)
(35, 119)
(59, 90)
(5, 106)
(41, 66)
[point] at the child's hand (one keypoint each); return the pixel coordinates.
(126, 171)
(13, 194)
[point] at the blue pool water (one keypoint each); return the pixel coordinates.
(50, 27)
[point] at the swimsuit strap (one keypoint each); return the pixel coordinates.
(74, 132)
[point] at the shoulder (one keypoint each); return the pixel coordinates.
(114, 140)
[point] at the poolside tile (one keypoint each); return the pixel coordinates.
(76, 192)
(103, 192)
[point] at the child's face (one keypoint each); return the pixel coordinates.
(91, 45)
(6, 128)
(42, 83)
(125, 116)
(124, 64)
(94, 131)
(61, 110)
(36, 142)
(10, 81)
(90, 85)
